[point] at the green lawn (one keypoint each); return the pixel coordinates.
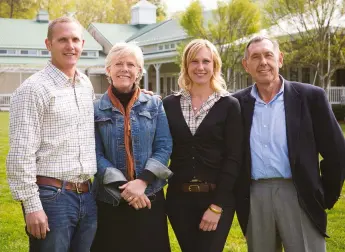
(13, 237)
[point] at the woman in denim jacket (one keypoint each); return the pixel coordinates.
(133, 145)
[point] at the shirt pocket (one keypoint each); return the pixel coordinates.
(147, 121)
(105, 127)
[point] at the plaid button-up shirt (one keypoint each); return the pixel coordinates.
(51, 133)
(193, 119)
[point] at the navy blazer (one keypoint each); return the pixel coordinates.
(311, 130)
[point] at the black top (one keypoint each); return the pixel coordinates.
(214, 153)
(124, 98)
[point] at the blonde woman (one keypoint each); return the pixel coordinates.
(133, 145)
(205, 124)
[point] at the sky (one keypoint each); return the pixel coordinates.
(181, 5)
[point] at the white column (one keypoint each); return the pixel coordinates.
(146, 77)
(158, 86)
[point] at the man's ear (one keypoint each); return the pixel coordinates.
(48, 44)
(244, 64)
(281, 59)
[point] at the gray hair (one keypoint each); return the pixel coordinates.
(257, 39)
(124, 49)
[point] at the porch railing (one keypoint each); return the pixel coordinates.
(336, 95)
(5, 102)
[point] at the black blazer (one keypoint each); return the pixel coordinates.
(214, 153)
(311, 130)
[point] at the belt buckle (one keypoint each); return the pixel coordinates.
(197, 187)
(77, 188)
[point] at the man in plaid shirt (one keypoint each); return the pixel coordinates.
(52, 149)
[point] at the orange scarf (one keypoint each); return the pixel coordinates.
(127, 124)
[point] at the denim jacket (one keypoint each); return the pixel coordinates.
(151, 145)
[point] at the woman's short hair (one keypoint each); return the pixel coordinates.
(217, 81)
(120, 50)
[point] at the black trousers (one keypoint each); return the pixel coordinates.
(124, 229)
(185, 211)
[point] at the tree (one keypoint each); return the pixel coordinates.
(57, 8)
(86, 11)
(17, 8)
(161, 9)
(314, 36)
(230, 22)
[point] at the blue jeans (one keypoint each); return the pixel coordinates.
(72, 220)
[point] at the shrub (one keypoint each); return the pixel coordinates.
(339, 111)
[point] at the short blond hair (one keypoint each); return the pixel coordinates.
(217, 81)
(64, 19)
(120, 50)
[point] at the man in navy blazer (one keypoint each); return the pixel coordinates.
(283, 189)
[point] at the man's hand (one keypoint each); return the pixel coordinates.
(209, 220)
(149, 93)
(37, 224)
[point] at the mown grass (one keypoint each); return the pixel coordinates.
(14, 239)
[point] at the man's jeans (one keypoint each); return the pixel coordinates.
(72, 220)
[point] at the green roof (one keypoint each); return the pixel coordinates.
(169, 30)
(144, 30)
(149, 34)
(30, 34)
(115, 33)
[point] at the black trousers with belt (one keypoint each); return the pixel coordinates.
(124, 229)
(185, 210)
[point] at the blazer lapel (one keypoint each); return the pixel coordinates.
(292, 103)
(248, 112)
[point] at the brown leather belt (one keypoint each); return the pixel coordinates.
(70, 186)
(193, 187)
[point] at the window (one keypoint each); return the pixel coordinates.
(45, 53)
(172, 46)
(294, 73)
(92, 54)
(160, 48)
(3, 51)
(161, 84)
(173, 84)
(166, 46)
(28, 52)
(89, 54)
(168, 85)
(11, 51)
(305, 75)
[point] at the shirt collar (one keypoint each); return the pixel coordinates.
(61, 78)
(186, 94)
(255, 94)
